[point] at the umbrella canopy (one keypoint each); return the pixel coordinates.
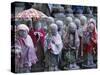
(30, 13)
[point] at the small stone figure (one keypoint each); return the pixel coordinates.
(24, 50)
(60, 27)
(83, 20)
(80, 34)
(37, 34)
(67, 21)
(71, 45)
(90, 42)
(53, 47)
(49, 21)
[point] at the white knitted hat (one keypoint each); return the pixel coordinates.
(22, 27)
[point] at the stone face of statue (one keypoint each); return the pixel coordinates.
(54, 29)
(22, 33)
(59, 24)
(77, 22)
(72, 27)
(91, 27)
(38, 26)
(68, 20)
(83, 20)
(50, 20)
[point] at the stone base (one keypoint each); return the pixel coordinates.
(89, 66)
(72, 67)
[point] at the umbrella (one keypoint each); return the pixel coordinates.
(30, 13)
